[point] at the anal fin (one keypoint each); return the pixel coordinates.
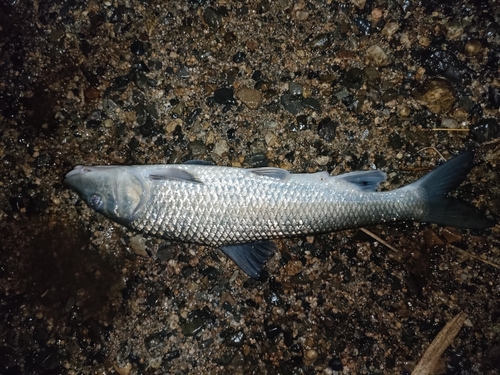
(250, 257)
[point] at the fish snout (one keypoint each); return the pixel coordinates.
(79, 169)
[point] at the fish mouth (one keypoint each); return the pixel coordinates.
(79, 169)
(82, 169)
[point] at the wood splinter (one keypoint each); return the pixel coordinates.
(444, 338)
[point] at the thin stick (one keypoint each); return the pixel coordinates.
(474, 256)
(449, 129)
(377, 238)
(435, 150)
(444, 338)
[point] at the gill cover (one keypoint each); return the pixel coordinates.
(114, 191)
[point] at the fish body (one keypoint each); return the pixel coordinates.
(240, 210)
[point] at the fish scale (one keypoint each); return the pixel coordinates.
(241, 210)
(245, 208)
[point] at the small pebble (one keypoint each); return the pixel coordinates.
(138, 245)
(375, 55)
(473, 47)
(239, 57)
(301, 15)
(293, 267)
(138, 48)
(390, 29)
(437, 95)
(321, 41)
(311, 355)
(295, 89)
(236, 339)
(312, 103)
(250, 97)
(454, 30)
(224, 96)
(212, 18)
(193, 327)
(485, 130)
(335, 364)
(291, 104)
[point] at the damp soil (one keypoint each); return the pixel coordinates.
(306, 86)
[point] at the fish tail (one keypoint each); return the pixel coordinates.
(445, 210)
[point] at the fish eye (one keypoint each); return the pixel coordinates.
(95, 201)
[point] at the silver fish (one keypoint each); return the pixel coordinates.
(241, 210)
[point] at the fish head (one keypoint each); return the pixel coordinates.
(114, 191)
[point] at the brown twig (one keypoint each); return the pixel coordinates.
(377, 238)
(444, 338)
(474, 256)
(435, 150)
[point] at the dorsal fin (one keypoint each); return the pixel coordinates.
(272, 172)
(198, 162)
(172, 173)
(364, 180)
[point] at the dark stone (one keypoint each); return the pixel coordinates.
(257, 75)
(212, 18)
(165, 253)
(389, 95)
(313, 74)
(302, 122)
(149, 128)
(327, 129)
(438, 62)
(191, 118)
(263, 7)
(257, 160)
(239, 57)
(272, 331)
(187, 271)
(138, 48)
(231, 133)
(312, 103)
(225, 96)
(485, 130)
(395, 141)
(210, 272)
(230, 37)
(288, 338)
(236, 339)
(494, 97)
(93, 123)
(193, 327)
(172, 355)
(291, 103)
(227, 306)
(364, 25)
(141, 66)
(354, 78)
(335, 364)
(120, 83)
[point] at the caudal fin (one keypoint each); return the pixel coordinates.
(446, 210)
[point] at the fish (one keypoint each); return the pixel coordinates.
(241, 210)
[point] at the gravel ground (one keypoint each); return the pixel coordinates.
(306, 86)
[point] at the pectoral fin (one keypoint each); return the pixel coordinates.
(250, 257)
